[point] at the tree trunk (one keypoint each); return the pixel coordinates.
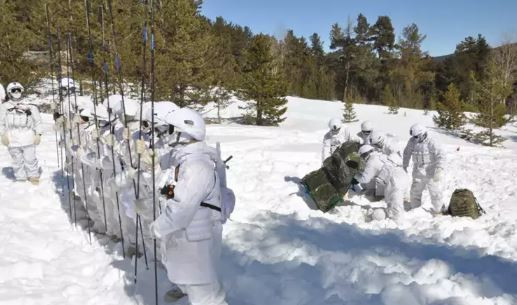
(259, 114)
(490, 129)
(345, 91)
(219, 110)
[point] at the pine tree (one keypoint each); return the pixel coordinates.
(349, 114)
(450, 115)
(491, 94)
(410, 73)
(317, 46)
(263, 85)
(221, 97)
(185, 48)
(469, 58)
(383, 35)
(15, 40)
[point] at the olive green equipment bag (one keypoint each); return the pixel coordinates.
(327, 185)
(463, 203)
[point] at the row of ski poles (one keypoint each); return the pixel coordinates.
(147, 84)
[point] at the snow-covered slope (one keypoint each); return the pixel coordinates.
(278, 249)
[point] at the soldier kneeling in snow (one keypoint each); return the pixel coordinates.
(390, 181)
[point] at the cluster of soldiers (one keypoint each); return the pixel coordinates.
(115, 164)
(386, 167)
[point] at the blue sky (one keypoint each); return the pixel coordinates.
(445, 23)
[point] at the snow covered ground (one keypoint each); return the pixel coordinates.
(278, 249)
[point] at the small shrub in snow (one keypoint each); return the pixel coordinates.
(349, 114)
(450, 115)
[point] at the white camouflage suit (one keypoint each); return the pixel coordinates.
(190, 233)
(333, 140)
(428, 164)
(391, 182)
(390, 148)
(21, 122)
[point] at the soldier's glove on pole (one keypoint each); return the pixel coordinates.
(147, 158)
(126, 134)
(140, 146)
(108, 139)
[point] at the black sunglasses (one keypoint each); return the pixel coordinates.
(14, 90)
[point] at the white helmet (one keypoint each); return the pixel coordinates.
(101, 112)
(161, 111)
(335, 124)
(114, 104)
(86, 108)
(67, 85)
(188, 121)
(14, 91)
(86, 113)
(377, 138)
(131, 107)
(366, 126)
(365, 151)
(418, 132)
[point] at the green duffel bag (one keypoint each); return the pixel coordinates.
(327, 185)
(463, 203)
(319, 188)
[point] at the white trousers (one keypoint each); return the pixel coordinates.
(25, 164)
(207, 294)
(395, 191)
(420, 183)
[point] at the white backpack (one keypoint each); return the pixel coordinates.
(227, 195)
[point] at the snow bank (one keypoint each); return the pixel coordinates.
(278, 249)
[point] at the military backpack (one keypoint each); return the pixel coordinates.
(464, 203)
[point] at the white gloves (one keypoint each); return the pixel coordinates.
(155, 230)
(94, 135)
(108, 139)
(5, 139)
(125, 134)
(37, 139)
(79, 153)
(147, 158)
(140, 146)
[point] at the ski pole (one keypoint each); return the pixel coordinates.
(153, 84)
(91, 62)
(105, 70)
(69, 183)
(70, 67)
